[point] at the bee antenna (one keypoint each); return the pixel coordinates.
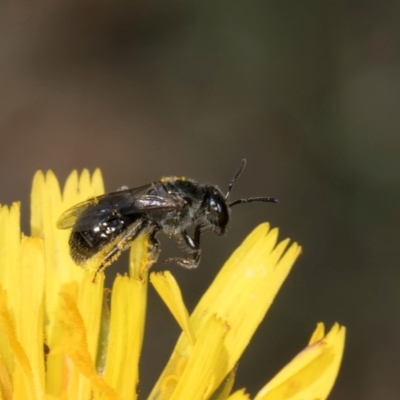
(255, 200)
(234, 179)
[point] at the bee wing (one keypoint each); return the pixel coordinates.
(96, 210)
(99, 205)
(68, 218)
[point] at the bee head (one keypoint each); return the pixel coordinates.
(216, 210)
(216, 206)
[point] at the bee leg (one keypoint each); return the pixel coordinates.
(112, 255)
(154, 247)
(193, 247)
(123, 244)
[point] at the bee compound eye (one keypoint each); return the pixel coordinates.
(223, 216)
(212, 204)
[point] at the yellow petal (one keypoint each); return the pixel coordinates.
(47, 204)
(104, 333)
(240, 295)
(10, 238)
(76, 375)
(9, 260)
(312, 373)
(80, 188)
(128, 308)
(318, 334)
(19, 365)
(223, 391)
(246, 286)
(204, 366)
(6, 389)
(22, 271)
(140, 258)
(169, 291)
(21, 389)
(125, 340)
(239, 395)
(46, 207)
(29, 310)
(89, 304)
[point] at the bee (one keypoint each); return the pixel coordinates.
(106, 225)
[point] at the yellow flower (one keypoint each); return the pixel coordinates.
(59, 339)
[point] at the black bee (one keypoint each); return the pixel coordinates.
(106, 225)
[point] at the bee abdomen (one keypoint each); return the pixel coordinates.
(83, 246)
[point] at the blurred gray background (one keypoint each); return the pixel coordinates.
(307, 91)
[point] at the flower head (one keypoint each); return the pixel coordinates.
(60, 340)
